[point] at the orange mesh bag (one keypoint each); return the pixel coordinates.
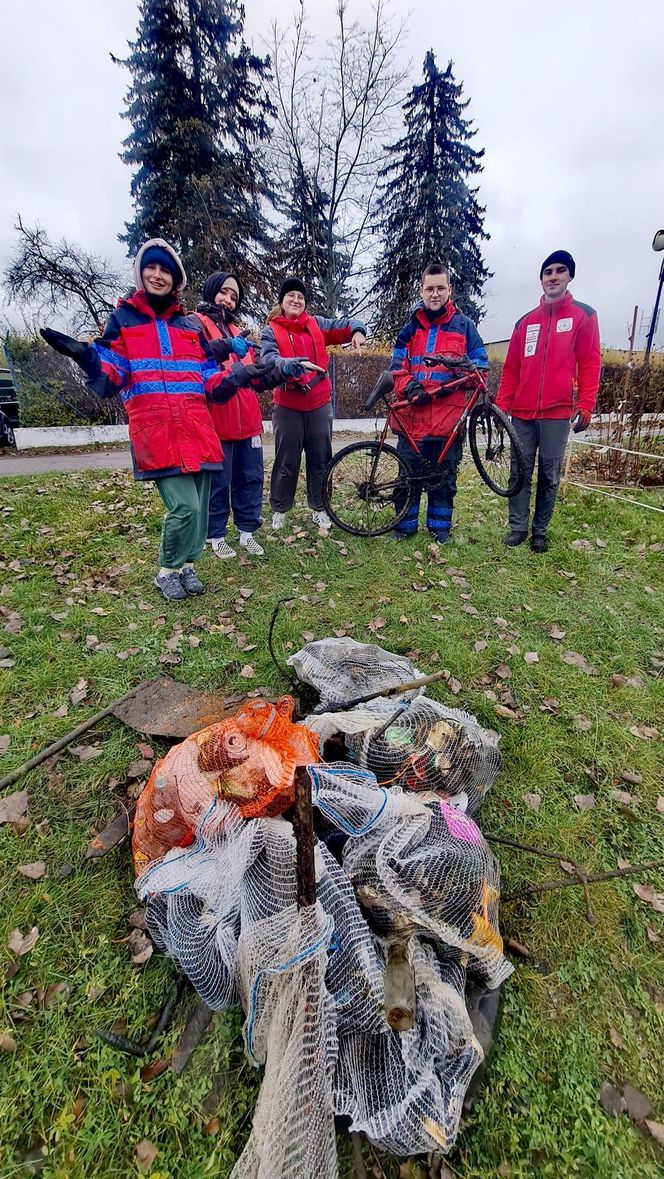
(249, 759)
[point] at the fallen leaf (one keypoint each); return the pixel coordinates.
(622, 796)
(4, 743)
(213, 1126)
(582, 723)
(567, 867)
(503, 671)
(531, 657)
(308, 636)
(245, 592)
(79, 692)
(611, 1100)
(549, 704)
(585, 802)
(660, 804)
(63, 710)
(247, 672)
(616, 1039)
(622, 863)
(145, 1154)
(656, 1129)
(556, 632)
(469, 610)
(170, 657)
(507, 713)
(480, 645)
(638, 1106)
(33, 871)
(582, 546)
(631, 777)
(85, 752)
(150, 1071)
(13, 806)
(454, 685)
(645, 732)
(145, 750)
(376, 624)
(140, 946)
(7, 1042)
(652, 935)
(533, 801)
(138, 769)
(647, 894)
(574, 659)
(20, 943)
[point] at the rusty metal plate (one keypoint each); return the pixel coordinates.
(165, 707)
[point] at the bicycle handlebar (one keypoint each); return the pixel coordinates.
(440, 358)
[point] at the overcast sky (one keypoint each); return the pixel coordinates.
(568, 100)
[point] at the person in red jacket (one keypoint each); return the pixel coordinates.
(551, 375)
(302, 414)
(238, 422)
(436, 326)
(156, 357)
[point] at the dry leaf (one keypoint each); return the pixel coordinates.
(567, 867)
(616, 1039)
(79, 691)
(145, 1154)
(533, 801)
(138, 769)
(7, 1042)
(611, 1100)
(503, 671)
(507, 713)
(656, 1129)
(585, 802)
(531, 657)
(4, 743)
(33, 871)
(647, 894)
(582, 723)
(645, 732)
(376, 624)
(638, 1106)
(22, 943)
(469, 610)
(574, 659)
(660, 804)
(247, 672)
(631, 777)
(480, 645)
(150, 1071)
(622, 863)
(85, 752)
(245, 592)
(621, 796)
(308, 636)
(13, 806)
(454, 685)
(557, 633)
(61, 711)
(145, 750)
(652, 935)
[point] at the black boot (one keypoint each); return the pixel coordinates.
(514, 538)
(539, 544)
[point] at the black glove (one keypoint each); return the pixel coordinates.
(293, 368)
(247, 376)
(83, 354)
(220, 349)
(416, 393)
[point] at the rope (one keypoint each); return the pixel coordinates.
(637, 503)
(620, 449)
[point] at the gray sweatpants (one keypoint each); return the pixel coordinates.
(295, 432)
(549, 436)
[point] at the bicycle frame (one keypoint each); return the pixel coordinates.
(468, 379)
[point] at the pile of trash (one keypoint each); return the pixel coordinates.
(403, 875)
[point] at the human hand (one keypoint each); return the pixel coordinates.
(581, 421)
(298, 366)
(83, 354)
(239, 346)
(357, 342)
(416, 393)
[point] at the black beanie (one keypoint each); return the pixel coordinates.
(157, 254)
(214, 283)
(291, 284)
(564, 258)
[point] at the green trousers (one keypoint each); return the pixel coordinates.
(184, 529)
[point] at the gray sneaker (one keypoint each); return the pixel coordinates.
(190, 582)
(170, 586)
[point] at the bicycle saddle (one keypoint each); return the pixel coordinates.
(384, 386)
(458, 362)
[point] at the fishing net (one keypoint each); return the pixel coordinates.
(249, 758)
(342, 669)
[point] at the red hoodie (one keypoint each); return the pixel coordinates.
(553, 362)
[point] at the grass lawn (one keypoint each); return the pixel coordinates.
(80, 615)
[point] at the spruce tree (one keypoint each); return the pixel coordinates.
(197, 107)
(427, 210)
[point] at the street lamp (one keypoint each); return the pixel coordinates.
(657, 244)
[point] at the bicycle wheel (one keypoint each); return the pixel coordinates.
(496, 450)
(367, 489)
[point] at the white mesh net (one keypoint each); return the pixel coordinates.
(312, 982)
(342, 669)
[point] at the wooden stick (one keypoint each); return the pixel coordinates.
(393, 690)
(581, 874)
(598, 878)
(303, 826)
(199, 1020)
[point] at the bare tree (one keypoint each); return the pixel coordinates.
(61, 278)
(333, 115)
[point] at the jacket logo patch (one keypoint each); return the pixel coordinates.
(532, 336)
(564, 325)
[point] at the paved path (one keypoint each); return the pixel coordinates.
(104, 460)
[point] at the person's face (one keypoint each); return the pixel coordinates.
(435, 291)
(229, 295)
(555, 280)
(293, 304)
(157, 280)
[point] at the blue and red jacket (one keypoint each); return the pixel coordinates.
(449, 332)
(241, 416)
(553, 362)
(306, 336)
(162, 367)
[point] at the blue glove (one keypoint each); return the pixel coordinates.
(239, 346)
(293, 368)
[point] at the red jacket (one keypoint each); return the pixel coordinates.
(308, 336)
(241, 417)
(553, 349)
(455, 335)
(162, 367)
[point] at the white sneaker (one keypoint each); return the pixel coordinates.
(321, 519)
(222, 549)
(252, 546)
(278, 521)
